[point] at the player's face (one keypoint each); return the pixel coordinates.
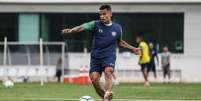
(165, 49)
(151, 45)
(105, 16)
(138, 39)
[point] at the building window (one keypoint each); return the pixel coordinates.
(162, 29)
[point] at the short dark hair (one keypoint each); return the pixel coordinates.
(108, 7)
(141, 36)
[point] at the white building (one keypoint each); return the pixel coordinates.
(188, 60)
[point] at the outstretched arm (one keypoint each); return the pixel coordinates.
(76, 29)
(86, 26)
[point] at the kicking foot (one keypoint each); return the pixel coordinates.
(108, 96)
(146, 83)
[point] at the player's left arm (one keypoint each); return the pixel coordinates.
(124, 44)
(157, 59)
(169, 60)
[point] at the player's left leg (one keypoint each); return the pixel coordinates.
(108, 78)
(95, 75)
(108, 82)
(154, 71)
(108, 64)
(168, 72)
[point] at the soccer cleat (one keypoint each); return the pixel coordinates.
(108, 96)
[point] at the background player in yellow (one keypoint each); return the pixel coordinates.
(144, 58)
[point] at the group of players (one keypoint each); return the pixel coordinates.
(106, 35)
(147, 58)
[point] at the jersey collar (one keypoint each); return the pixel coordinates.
(109, 24)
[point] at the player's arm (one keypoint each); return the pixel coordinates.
(84, 27)
(169, 60)
(124, 44)
(157, 59)
(141, 52)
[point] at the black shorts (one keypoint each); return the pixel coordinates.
(58, 73)
(166, 68)
(152, 67)
(98, 65)
(144, 66)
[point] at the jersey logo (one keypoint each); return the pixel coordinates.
(114, 34)
(111, 64)
(100, 30)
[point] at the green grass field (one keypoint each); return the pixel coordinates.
(68, 92)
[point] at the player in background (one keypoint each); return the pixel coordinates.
(152, 63)
(59, 69)
(106, 34)
(144, 58)
(165, 63)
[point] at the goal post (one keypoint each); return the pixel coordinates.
(35, 60)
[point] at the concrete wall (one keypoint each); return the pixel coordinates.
(190, 66)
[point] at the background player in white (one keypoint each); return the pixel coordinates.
(165, 63)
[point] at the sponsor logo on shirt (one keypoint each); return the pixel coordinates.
(114, 34)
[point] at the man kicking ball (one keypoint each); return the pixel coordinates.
(106, 35)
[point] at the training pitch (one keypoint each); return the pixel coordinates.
(122, 92)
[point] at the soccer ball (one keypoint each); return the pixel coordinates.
(86, 98)
(8, 84)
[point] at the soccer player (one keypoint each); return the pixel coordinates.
(165, 62)
(59, 69)
(144, 57)
(152, 63)
(106, 35)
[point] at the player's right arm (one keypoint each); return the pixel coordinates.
(84, 27)
(157, 59)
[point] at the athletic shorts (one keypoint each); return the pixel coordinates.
(58, 73)
(144, 66)
(98, 65)
(166, 68)
(152, 67)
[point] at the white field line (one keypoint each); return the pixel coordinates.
(63, 99)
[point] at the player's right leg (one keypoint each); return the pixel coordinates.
(144, 70)
(95, 75)
(165, 73)
(168, 72)
(95, 78)
(154, 71)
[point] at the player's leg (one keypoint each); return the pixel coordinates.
(58, 75)
(169, 72)
(154, 71)
(108, 82)
(95, 78)
(164, 72)
(144, 70)
(108, 64)
(108, 78)
(95, 75)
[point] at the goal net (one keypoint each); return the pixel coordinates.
(31, 62)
